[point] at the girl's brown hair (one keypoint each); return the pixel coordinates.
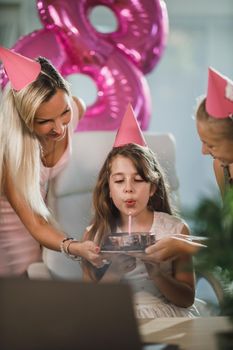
(106, 215)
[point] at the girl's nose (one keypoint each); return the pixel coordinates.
(128, 186)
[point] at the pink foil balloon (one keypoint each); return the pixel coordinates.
(142, 31)
(114, 61)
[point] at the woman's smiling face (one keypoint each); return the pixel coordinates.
(213, 144)
(53, 116)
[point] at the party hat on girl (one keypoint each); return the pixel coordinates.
(219, 100)
(129, 130)
(20, 70)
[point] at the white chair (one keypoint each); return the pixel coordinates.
(71, 193)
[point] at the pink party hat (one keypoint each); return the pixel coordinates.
(21, 70)
(219, 100)
(129, 130)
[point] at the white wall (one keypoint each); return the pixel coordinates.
(200, 35)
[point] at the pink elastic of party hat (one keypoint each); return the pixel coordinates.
(219, 100)
(20, 70)
(129, 130)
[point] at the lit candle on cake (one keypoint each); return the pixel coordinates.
(130, 224)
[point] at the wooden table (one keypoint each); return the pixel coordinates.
(190, 334)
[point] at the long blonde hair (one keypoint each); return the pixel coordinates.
(20, 148)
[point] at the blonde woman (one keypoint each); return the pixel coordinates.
(37, 118)
(214, 120)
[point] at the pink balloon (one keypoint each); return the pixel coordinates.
(141, 34)
(114, 61)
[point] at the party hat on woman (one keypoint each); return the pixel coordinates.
(20, 70)
(219, 100)
(129, 130)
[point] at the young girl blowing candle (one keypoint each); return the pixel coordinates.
(131, 182)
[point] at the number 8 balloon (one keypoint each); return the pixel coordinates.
(115, 61)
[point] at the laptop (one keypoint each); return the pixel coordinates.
(67, 315)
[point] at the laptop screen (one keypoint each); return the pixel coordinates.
(66, 315)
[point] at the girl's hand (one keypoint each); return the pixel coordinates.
(87, 250)
(169, 248)
(120, 264)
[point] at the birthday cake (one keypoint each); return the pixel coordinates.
(125, 242)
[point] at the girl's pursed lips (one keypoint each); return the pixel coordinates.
(130, 202)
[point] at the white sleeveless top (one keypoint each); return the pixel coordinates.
(149, 302)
